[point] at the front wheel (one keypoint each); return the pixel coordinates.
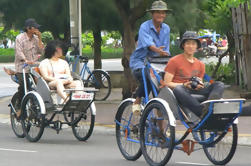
(31, 118)
(157, 136)
(222, 149)
(100, 80)
(83, 124)
(127, 132)
(16, 124)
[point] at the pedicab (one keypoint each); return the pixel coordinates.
(154, 135)
(42, 108)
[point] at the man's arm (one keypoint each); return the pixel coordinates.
(40, 43)
(168, 81)
(158, 50)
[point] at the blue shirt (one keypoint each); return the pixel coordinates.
(148, 36)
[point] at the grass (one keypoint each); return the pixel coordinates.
(7, 55)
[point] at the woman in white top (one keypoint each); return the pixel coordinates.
(57, 71)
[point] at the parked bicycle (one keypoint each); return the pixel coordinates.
(98, 78)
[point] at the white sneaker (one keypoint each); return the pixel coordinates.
(136, 109)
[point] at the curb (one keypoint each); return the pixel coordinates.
(243, 139)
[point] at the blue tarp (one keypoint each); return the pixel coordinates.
(208, 36)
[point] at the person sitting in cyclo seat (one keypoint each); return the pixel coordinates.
(57, 71)
(179, 71)
(153, 37)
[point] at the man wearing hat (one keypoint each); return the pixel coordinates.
(28, 48)
(181, 68)
(154, 38)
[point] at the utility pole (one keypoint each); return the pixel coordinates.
(76, 25)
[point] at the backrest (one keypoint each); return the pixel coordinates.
(42, 87)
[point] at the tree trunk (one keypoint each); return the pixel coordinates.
(128, 46)
(97, 48)
(231, 44)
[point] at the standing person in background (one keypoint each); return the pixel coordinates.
(153, 38)
(28, 49)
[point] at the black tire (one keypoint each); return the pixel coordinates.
(101, 81)
(156, 145)
(31, 118)
(16, 124)
(84, 125)
(130, 150)
(222, 150)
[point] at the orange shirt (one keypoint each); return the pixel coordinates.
(183, 70)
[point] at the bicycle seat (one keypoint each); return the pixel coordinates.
(159, 59)
(84, 58)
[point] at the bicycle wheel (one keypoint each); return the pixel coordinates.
(127, 132)
(157, 136)
(222, 149)
(84, 125)
(101, 81)
(31, 118)
(16, 122)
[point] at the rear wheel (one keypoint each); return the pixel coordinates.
(222, 149)
(16, 124)
(32, 119)
(127, 132)
(84, 125)
(100, 80)
(157, 136)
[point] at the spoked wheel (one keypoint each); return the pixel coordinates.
(157, 136)
(101, 81)
(127, 132)
(32, 119)
(84, 124)
(16, 124)
(222, 149)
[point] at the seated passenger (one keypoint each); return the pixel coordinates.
(179, 71)
(57, 71)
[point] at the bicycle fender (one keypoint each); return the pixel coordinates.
(40, 100)
(93, 108)
(168, 110)
(128, 99)
(236, 121)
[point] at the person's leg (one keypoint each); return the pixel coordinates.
(213, 91)
(183, 95)
(58, 84)
(20, 93)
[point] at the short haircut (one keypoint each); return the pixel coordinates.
(50, 49)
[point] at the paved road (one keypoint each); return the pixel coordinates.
(100, 149)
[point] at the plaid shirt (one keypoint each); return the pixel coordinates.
(26, 48)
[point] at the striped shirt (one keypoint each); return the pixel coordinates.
(26, 48)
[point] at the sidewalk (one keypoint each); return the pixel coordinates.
(106, 111)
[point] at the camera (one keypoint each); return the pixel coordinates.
(194, 82)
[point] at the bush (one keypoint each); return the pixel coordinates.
(225, 73)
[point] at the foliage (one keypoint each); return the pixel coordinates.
(47, 36)
(219, 16)
(225, 73)
(10, 34)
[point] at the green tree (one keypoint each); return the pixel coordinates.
(97, 16)
(219, 18)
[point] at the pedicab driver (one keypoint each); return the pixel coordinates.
(184, 70)
(28, 49)
(154, 37)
